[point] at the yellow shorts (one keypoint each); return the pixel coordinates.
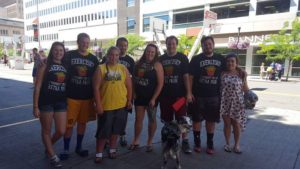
(80, 111)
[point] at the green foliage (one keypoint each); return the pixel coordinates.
(284, 45)
(185, 43)
(134, 43)
(1, 49)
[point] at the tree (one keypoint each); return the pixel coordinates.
(284, 45)
(135, 42)
(185, 43)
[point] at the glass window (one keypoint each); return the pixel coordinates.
(130, 3)
(88, 17)
(115, 13)
(231, 9)
(92, 16)
(146, 24)
(296, 68)
(103, 14)
(106, 14)
(188, 19)
(88, 2)
(99, 15)
(110, 13)
(130, 24)
(272, 6)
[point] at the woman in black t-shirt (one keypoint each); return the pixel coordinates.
(148, 82)
(49, 99)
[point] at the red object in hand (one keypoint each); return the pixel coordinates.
(179, 103)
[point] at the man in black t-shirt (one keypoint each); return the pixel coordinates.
(176, 85)
(205, 72)
(81, 67)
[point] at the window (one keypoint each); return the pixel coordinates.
(130, 3)
(188, 17)
(110, 13)
(103, 13)
(130, 24)
(115, 13)
(272, 6)
(160, 15)
(231, 9)
(106, 14)
(147, 0)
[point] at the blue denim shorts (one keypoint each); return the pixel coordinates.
(55, 107)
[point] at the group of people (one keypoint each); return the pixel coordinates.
(271, 72)
(74, 88)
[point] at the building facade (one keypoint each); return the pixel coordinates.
(64, 20)
(257, 19)
(107, 19)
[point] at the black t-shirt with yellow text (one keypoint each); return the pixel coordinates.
(206, 72)
(174, 69)
(81, 70)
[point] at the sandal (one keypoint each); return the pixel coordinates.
(149, 148)
(133, 146)
(112, 154)
(227, 148)
(98, 158)
(237, 151)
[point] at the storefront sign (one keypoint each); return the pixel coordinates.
(251, 39)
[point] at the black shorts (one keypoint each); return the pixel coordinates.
(142, 101)
(60, 106)
(111, 123)
(205, 108)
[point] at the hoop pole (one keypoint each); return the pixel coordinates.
(238, 40)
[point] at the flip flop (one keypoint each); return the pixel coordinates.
(227, 148)
(149, 148)
(133, 146)
(237, 151)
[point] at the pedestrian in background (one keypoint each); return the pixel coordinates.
(37, 62)
(148, 82)
(49, 99)
(262, 71)
(233, 87)
(113, 85)
(279, 70)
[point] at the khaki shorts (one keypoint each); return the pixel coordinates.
(80, 111)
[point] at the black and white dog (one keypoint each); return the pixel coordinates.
(170, 135)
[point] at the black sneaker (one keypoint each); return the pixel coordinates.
(55, 162)
(82, 153)
(123, 141)
(186, 146)
(64, 155)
